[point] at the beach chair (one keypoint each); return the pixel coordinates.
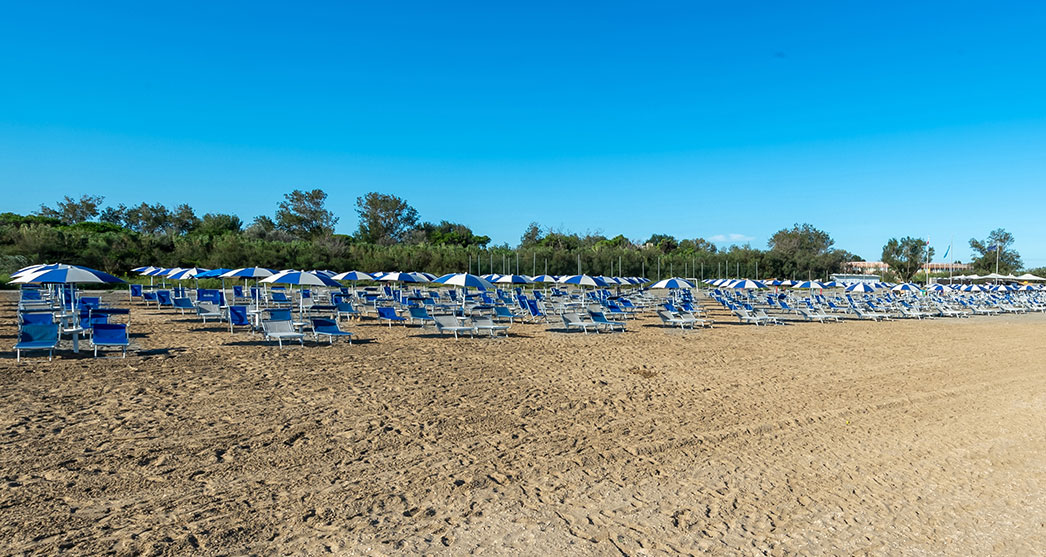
(134, 291)
(110, 334)
(389, 314)
(37, 337)
(183, 304)
(328, 327)
(601, 319)
(149, 297)
(421, 314)
(503, 312)
(208, 309)
(574, 321)
(280, 331)
(164, 299)
(238, 317)
(673, 319)
(485, 323)
(346, 309)
(449, 323)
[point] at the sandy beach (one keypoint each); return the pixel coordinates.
(900, 438)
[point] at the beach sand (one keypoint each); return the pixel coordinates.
(902, 438)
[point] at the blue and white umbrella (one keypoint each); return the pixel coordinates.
(672, 283)
(213, 273)
(399, 277)
(249, 272)
(466, 280)
(421, 277)
(513, 279)
(67, 274)
(545, 278)
(746, 284)
(861, 287)
(185, 274)
(301, 278)
(583, 280)
(33, 269)
(353, 276)
(906, 287)
(809, 285)
(939, 288)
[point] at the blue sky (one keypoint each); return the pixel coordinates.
(722, 120)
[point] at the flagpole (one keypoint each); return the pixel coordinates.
(927, 261)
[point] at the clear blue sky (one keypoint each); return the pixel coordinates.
(721, 120)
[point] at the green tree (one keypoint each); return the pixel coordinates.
(302, 214)
(384, 219)
(998, 243)
(148, 219)
(663, 242)
(802, 251)
(531, 236)
(217, 224)
(72, 211)
(906, 256)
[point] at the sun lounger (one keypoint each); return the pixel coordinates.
(281, 330)
(37, 337)
(485, 323)
(389, 314)
(328, 327)
(574, 321)
(600, 319)
(450, 323)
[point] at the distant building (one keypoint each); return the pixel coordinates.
(866, 267)
(878, 267)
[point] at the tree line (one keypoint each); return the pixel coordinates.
(391, 236)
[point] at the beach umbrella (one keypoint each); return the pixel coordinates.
(583, 280)
(1025, 288)
(775, 282)
(860, 287)
(905, 287)
(428, 276)
(184, 274)
(34, 268)
(1030, 278)
(513, 279)
(398, 277)
(672, 283)
(974, 288)
(545, 278)
(746, 284)
(67, 274)
(213, 273)
(249, 272)
(421, 277)
(465, 280)
(1002, 288)
(300, 278)
(938, 288)
(809, 285)
(353, 276)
